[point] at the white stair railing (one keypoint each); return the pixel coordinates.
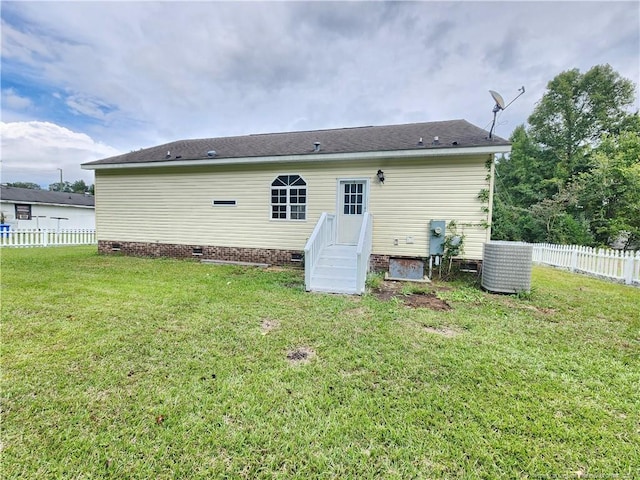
(363, 251)
(324, 234)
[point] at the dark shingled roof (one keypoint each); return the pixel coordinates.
(451, 134)
(27, 195)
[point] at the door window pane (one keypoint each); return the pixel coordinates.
(353, 198)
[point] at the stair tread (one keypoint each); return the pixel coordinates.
(340, 265)
(335, 270)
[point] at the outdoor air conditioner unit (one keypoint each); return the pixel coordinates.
(506, 267)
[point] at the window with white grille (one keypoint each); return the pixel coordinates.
(289, 198)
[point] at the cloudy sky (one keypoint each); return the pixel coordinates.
(87, 80)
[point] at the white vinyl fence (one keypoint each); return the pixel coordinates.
(623, 266)
(33, 237)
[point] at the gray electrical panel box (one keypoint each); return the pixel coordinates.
(436, 237)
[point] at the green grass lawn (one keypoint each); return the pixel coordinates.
(119, 367)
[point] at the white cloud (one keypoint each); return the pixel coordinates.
(34, 151)
(14, 101)
(87, 106)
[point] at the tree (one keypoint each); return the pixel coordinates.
(570, 174)
(511, 222)
(79, 187)
(610, 192)
(522, 180)
(576, 111)
(60, 187)
(29, 185)
(561, 218)
(520, 171)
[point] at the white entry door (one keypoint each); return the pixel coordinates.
(352, 204)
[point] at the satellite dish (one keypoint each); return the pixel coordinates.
(500, 106)
(498, 98)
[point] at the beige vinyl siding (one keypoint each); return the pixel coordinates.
(175, 205)
(416, 192)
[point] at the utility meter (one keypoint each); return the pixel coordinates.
(436, 237)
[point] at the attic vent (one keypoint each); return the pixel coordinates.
(168, 153)
(420, 142)
(211, 153)
(316, 146)
(229, 203)
(178, 156)
(436, 140)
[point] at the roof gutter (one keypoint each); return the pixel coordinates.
(318, 157)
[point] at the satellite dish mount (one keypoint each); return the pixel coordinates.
(500, 105)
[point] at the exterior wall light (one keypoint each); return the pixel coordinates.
(380, 175)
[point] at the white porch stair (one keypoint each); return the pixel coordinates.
(336, 270)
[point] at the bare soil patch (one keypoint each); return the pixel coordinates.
(533, 308)
(300, 355)
(385, 295)
(444, 331)
(391, 289)
(268, 325)
(426, 300)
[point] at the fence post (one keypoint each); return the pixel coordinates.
(628, 268)
(574, 258)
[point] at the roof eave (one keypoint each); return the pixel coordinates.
(325, 157)
(48, 204)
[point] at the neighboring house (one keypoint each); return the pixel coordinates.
(258, 198)
(42, 209)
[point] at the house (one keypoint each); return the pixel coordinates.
(369, 193)
(43, 209)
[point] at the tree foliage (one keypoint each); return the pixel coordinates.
(575, 112)
(610, 191)
(572, 176)
(79, 186)
(29, 185)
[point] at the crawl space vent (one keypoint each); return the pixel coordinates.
(506, 267)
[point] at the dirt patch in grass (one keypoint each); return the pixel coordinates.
(390, 290)
(425, 300)
(533, 308)
(385, 295)
(358, 311)
(443, 331)
(268, 324)
(300, 355)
